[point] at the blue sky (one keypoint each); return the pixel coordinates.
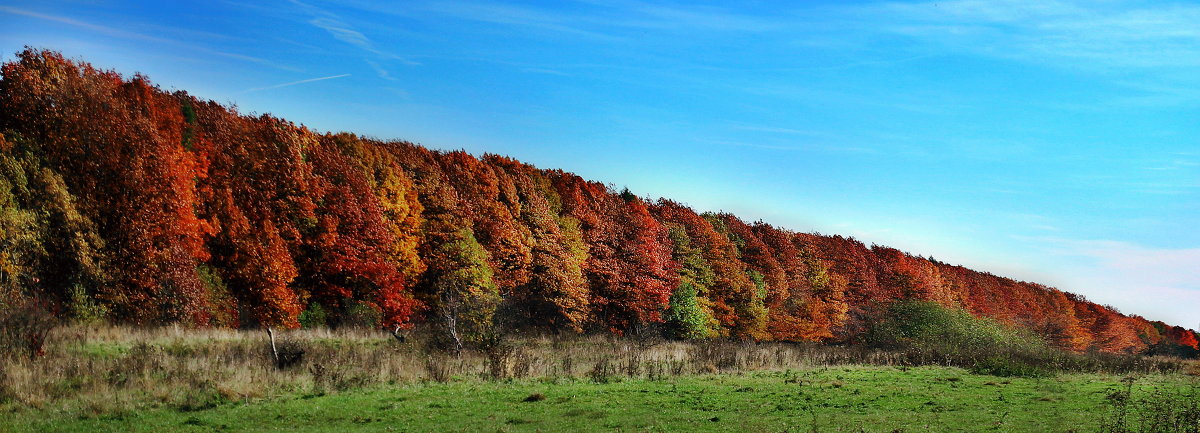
(1048, 141)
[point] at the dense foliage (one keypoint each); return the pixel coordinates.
(121, 201)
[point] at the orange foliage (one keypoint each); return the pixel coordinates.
(278, 217)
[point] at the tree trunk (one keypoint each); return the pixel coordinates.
(274, 351)
(449, 310)
(452, 326)
(396, 334)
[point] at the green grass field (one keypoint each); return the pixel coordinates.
(834, 399)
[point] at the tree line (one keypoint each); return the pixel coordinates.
(120, 201)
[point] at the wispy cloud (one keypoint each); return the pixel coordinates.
(529, 18)
(379, 70)
(647, 15)
(612, 21)
(109, 31)
(293, 83)
(125, 34)
(1085, 34)
(1088, 35)
(342, 31)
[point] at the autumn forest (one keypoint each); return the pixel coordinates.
(126, 203)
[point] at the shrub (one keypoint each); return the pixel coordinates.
(314, 316)
(932, 327)
(920, 332)
(1008, 366)
(603, 371)
(437, 367)
(84, 307)
(24, 328)
(1157, 410)
(361, 314)
(290, 353)
(1166, 348)
(931, 333)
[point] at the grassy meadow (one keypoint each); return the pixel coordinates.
(177, 379)
(849, 399)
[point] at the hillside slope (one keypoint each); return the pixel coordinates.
(121, 200)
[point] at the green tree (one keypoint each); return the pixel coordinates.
(688, 315)
(21, 249)
(467, 296)
(49, 249)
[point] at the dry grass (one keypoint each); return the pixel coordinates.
(108, 369)
(1192, 368)
(99, 370)
(95, 371)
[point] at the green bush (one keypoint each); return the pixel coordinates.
(686, 319)
(929, 326)
(314, 316)
(931, 333)
(361, 314)
(84, 308)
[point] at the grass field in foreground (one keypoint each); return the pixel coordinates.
(849, 399)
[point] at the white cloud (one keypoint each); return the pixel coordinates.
(1152, 266)
(1158, 283)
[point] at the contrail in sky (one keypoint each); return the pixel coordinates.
(293, 83)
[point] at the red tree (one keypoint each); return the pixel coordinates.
(119, 145)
